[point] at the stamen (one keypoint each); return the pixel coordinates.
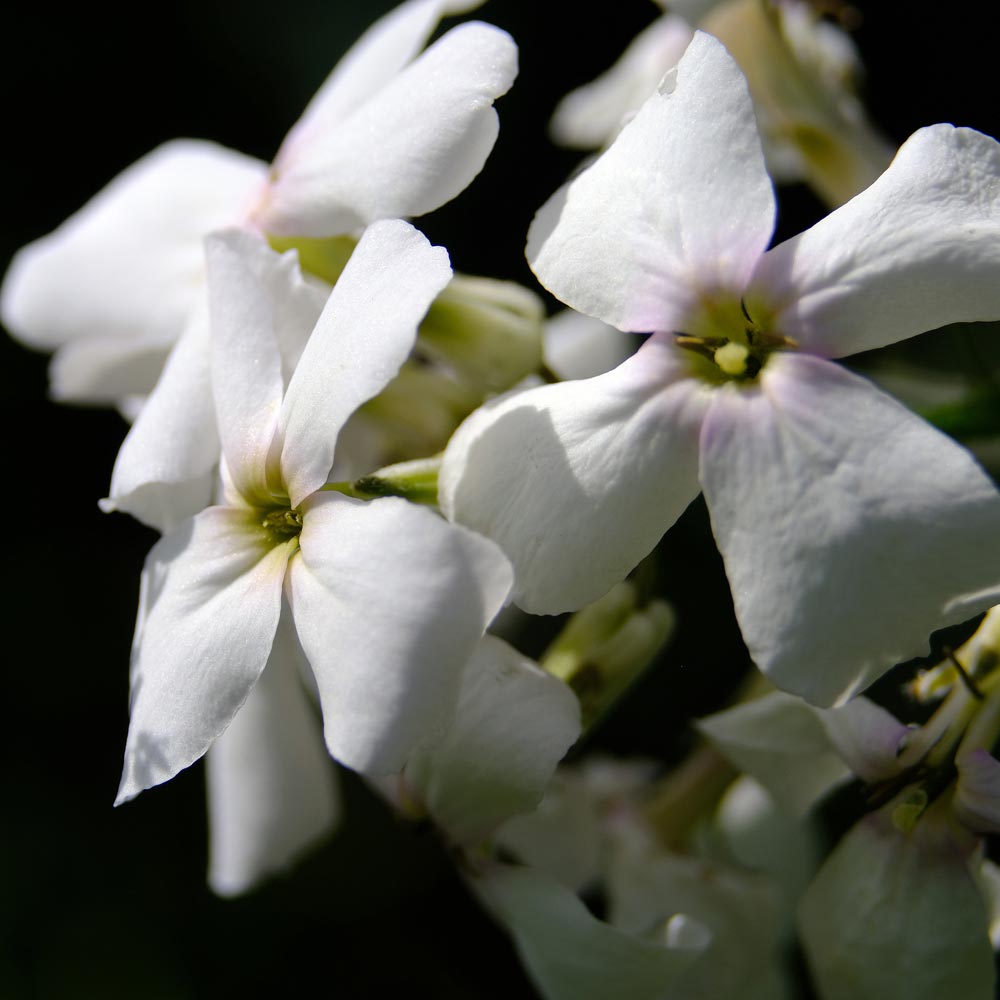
(963, 674)
(284, 522)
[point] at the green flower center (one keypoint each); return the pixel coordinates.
(727, 345)
(282, 522)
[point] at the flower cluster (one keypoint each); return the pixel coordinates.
(368, 472)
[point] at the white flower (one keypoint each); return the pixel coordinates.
(850, 529)
(388, 600)
(898, 915)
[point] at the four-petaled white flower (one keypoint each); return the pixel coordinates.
(850, 529)
(388, 600)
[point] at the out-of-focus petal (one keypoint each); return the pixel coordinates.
(779, 740)
(563, 836)
(977, 794)
(271, 784)
(412, 147)
(917, 250)
(579, 346)
(570, 954)
(106, 369)
(850, 528)
(389, 603)
(513, 724)
(129, 263)
(680, 206)
(894, 916)
(737, 912)
(867, 737)
(365, 333)
(577, 481)
(761, 836)
(210, 608)
(590, 116)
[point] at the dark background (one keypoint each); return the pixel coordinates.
(97, 902)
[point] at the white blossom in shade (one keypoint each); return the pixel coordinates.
(587, 810)
(513, 724)
(977, 791)
(800, 753)
(779, 740)
(898, 915)
(677, 927)
(751, 830)
(738, 913)
(850, 529)
(388, 600)
(272, 792)
(570, 954)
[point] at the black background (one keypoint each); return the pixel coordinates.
(97, 902)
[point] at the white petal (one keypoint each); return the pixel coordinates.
(212, 597)
(579, 346)
(412, 147)
(893, 916)
(988, 879)
(779, 740)
(577, 481)
(271, 784)
(977, 794)
(389, 603)
(364, 335)
(129, 263)
(736, 912)
(163, 472)
(763, 837)
(918, 249)
(590, 116)
(850, 528)
(679, 206)
(513, 724)
(570, 954)
(370, 63)
(255, 296)
(867, 737)
(563, 837)
(106, 369)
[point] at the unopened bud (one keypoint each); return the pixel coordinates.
(605, 646)
(322, 258)
(416, 481)
(486, 331)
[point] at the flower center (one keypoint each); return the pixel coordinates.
(282, 522)
(727, 345)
